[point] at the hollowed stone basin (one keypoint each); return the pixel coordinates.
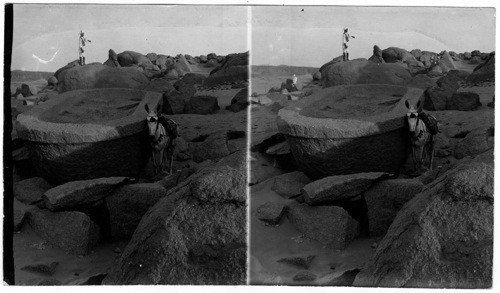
(87, 134)
(349, 129)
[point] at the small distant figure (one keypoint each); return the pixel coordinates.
(294, 80)
(345, 44)
(81, 44)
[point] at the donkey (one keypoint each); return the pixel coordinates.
(162, 134)
(421, 138)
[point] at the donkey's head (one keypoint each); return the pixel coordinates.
(152, 120)
(412, 116)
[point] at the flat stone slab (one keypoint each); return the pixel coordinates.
(73, 232)
(303, 262)
(329, 225)
(41, 268)
(282, 148)
(339, 188)
(271, 212)
(290, 183)
(79, 193)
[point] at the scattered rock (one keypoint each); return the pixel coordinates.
(385, 199)
(49, 282)
(174, 102)
(317, 76)
(239, 102)
(304, 277)
(475, 142)
(41, 268)
(339, 188)
(329, 225)
(377, 55)
(436, 98)
(202, 105)
(290, 184)
(463, 101)
(483, 72)
(346, 279)
(73, 232)
(30, 190)
(303, 262)
(213, 147)
(127, 204)
(271, 212)
(19, 215)
(447, 230)
(78, 193)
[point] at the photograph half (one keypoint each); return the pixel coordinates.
(372, 139)
(128, 144)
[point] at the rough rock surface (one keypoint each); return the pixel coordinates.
(450, 82)
(213, 147)
(339, 188)
(96, 75)
(303, 262)
(290, 184)
(195, 235)
(443, 237)
(393, 55)
(475, 142)
(436, 98)
(364, 72)
(377, 55)
(127, 204)
(385, 199)
(73, 232)
(271, 212)
(304, 277)
(463, 101)
(30, 190)
(329, 225)
(483, 72)
(112, 59)
(421, 81)
(20, 212)
(239, 102)
(79, 193)
(201, 105)
(42, 268)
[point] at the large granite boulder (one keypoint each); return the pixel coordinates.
(451, 81)
(364, 72)
(66, 67)
(421, 81)
(202, 105)
(234, 68)
(290, 184)
(384, 200)
(194, 235)
(475, 142)
(73, 232)
(463, 101)
(442, 238)
(329, 225)
(96, 75)
(239, 102)
(446, 62)
(112, 59)
(213, 147)
(30, 190)
(128, 204)
(393, 54)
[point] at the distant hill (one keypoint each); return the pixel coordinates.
(283, 70)
(19, 75)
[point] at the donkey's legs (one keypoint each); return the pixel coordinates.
(153, 159)
(431, 147)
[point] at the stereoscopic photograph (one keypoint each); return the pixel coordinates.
(261, 145)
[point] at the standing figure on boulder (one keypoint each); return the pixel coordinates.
(81, 44)
(345, 44)
(294, 80)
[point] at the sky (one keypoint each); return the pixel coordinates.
(46, 36)
(312, 36)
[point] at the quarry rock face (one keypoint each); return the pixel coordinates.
(329, 225)
(96, 75)
(200, 224)
(364, 72)
(442, 238)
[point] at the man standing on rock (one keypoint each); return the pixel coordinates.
(345, 44)
(81, 44)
